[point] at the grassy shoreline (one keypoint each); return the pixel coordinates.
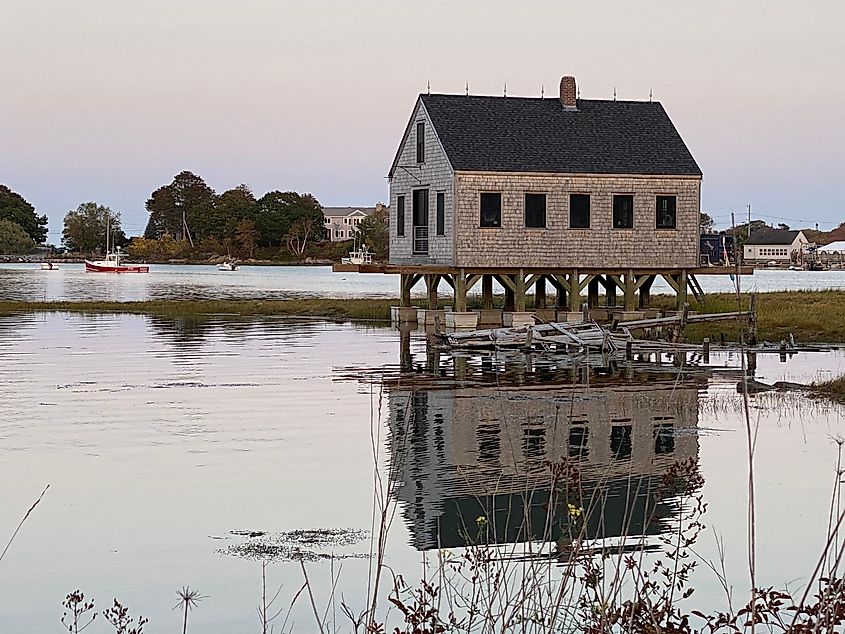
(810, 316)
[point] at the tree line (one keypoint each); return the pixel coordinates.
(21, 227)
(189, 210)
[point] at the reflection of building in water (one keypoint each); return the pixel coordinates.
(459, 453)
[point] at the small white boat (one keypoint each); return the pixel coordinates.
(49, 266)
(228, 265)
(361, 256)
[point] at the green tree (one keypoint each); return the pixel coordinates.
(14, 207)
(246, 237)
(706, 223)
(373, 232)
(85, 228)
(13, 239)
(186, 202)
(278, 211)
(233, 207)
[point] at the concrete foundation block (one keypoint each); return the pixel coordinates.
(404, 314)
(461, 320)
(514, 320)
(490, 317)
(426, 316)
(546, 314)
(565, 315)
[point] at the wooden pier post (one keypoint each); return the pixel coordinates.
(519, 302)
(706, 350)
(645, 291)
(610, 291)
(460, 292)
(630, 291)
(405, 289)
(752, 320)
(487, 292)
(682, 289)
(593, 292)
(431, 283)
(574, 291)
(540, 293)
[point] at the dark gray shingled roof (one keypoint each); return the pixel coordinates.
(772, 236)
(518, 134)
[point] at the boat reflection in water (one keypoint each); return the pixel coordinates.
(518, 444)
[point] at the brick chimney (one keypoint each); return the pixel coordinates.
(568, 92)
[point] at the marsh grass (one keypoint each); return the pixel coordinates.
(833, 389)
(810, 316)
(346, 309)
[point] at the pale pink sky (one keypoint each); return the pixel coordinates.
(105, 100)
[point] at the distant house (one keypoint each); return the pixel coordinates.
(485, 182)
(341, 223)
(773, 245)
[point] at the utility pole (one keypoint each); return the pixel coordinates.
(749, 221)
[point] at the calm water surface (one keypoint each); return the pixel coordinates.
(162, 437)
(27, 282)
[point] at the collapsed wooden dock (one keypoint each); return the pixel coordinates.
(588, 336)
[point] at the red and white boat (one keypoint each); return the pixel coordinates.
(112, 264)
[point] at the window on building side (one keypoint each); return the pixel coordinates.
(535, 211)
(666, 214)
(441, 214)
(620, 441)
(578, 437)
(579, 211)
(623, 211)
(664, 438)
(421, 142)
(491, 210)
(400, 216)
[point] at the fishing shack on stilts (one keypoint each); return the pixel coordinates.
(563, 196)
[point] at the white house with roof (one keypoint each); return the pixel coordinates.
(773, 245)
(341, 223)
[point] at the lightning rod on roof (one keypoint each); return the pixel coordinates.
(428, 87)
(467, 87)
(650, 94)
(614, 92)
(542, 91)
(506, 89)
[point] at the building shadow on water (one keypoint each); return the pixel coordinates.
(512, 447)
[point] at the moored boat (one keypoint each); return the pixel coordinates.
(228, 265)
(112, 264)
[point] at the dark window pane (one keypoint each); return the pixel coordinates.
(420, 210)
(666, 213)
(489, 443)
(400, 216)
(620, 441)
(579, 211)
(664, 438)
(578, 437)
(421, 142)
(441, 214)
(534, 442)
(535, 211)
(623, 212)
(491, 210)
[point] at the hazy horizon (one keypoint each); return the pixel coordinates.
(105, 101)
